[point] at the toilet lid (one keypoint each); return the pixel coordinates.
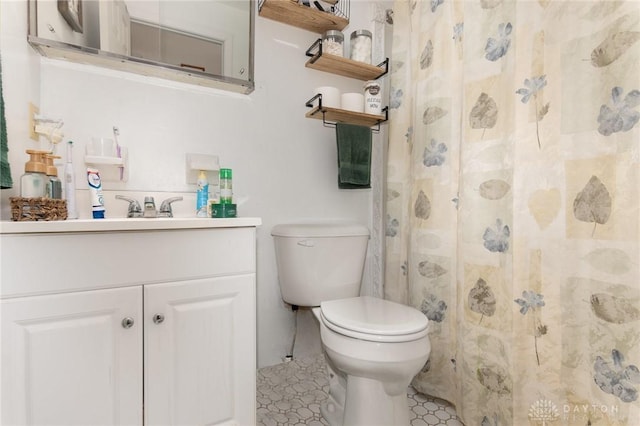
(374, 319)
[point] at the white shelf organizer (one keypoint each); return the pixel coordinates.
(112, 169)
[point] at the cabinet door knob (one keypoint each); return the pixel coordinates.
(127, 322)
(158, 318)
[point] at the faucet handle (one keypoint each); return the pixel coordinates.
(165, 207)
(134, 207)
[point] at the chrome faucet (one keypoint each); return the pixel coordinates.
(149, 211)
(149, 207)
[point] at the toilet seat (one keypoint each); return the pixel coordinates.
(373, 319)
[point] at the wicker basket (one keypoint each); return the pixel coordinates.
(25, 209)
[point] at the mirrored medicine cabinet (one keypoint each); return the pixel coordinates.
(203, 42)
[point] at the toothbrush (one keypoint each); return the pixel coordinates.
(116, 132)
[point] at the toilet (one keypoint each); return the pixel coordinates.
(373, 347)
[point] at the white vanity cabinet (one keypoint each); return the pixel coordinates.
(133, 327)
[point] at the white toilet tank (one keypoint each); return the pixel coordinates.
(319, 261)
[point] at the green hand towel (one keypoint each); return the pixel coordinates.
(5, 169)
(354, 156)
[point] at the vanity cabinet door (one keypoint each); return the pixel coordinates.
(73, 358)
(200, 351)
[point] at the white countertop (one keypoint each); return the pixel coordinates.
(124, 224)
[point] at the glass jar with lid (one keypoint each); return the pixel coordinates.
(333, 43)
(361, 46)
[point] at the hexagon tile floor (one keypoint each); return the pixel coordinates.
(291, 393)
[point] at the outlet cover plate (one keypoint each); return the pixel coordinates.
(197, 162)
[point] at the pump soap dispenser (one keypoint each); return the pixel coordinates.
(54, 184)
(33, 182)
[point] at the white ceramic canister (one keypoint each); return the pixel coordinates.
(372, 98)
(353, 102)
(360, 46)
(330, 96)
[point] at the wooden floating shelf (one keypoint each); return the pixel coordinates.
(291, 13)
(336, 115)
(345, 67)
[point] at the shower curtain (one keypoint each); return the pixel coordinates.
(513, 219)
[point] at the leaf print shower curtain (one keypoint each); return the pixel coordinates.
(513, 194)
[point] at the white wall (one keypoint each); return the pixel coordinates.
(284, 164)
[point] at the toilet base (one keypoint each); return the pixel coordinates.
(366, 404)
